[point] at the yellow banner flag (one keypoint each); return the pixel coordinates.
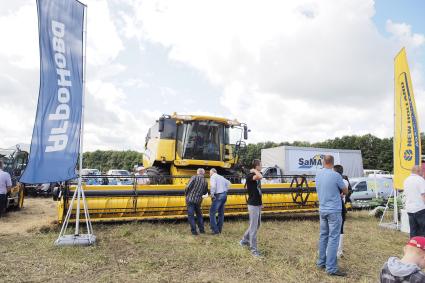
(407, 140)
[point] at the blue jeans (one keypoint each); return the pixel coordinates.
(330, 229)
(192, 209)
(217, 206)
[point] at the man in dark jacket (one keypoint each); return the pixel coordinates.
(195, 189)
(255, 203)
(407, 269)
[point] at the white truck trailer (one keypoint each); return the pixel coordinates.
(292, 160)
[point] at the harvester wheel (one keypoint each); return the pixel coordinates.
(158, 175)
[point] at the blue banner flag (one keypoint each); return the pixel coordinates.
(56, 135)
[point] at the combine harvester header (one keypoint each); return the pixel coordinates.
(175, 146)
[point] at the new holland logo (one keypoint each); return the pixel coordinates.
(315, 161)
(408, 155)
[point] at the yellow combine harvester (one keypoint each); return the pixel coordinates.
(174, 148)
(15, 161)
(179, 144)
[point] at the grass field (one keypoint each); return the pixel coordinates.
(167, 252)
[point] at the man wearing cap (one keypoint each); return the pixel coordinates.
(141, 171)
(414, 191)
(407, 269)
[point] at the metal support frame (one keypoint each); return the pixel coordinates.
(395, 223)
(78, 239)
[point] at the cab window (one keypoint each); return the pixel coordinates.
(361, 187)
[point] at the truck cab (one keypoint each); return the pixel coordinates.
(272, 175)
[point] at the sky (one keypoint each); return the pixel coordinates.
(292, 70)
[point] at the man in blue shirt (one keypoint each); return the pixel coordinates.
(329, 186)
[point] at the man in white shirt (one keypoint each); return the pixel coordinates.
(141, 171)
(218, 190)
(414, 191)
(5, 184)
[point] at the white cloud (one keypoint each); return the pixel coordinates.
(19, 76)
(402, 33)
(109, 125)
(291, 69)
(19, 32)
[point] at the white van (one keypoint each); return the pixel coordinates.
(368, 188)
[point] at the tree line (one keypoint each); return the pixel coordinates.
(111, 159)
(377, 153)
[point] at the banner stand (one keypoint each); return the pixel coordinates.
(394, 224)
(89, 238)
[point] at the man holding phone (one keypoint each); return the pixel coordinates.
(255, 203)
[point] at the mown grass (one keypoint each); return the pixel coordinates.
(166, 252)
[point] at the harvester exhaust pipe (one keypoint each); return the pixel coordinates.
(245, 132)
(161, 125)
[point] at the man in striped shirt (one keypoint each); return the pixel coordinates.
(195, 189)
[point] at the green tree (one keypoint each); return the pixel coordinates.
(109, 159)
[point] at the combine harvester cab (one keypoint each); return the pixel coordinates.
(175, 146)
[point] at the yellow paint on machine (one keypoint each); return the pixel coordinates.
(407, 142)
(141, 206)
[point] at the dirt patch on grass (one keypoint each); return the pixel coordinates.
(38, 214)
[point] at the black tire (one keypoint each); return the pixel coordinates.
(158, 175)
(55, 193)
(235, 177)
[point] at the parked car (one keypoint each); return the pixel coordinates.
(120, 177)
(367, 188)
(40, 189)
(89, 176)
(376, 173)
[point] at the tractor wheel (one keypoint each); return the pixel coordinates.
(158, 175)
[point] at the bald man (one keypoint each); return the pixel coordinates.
(414, 191)
(329, 187)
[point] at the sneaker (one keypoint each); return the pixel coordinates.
(322, 267)
(202, 232)
(243, 243)
(255, 253)
(195, 233)
(337, 273)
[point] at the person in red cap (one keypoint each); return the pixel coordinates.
(409, 268)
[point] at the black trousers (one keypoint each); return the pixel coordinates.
(344, 215)
(3, 201)
(417, 223)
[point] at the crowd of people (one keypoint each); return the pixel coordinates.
(332, 189)
(197, 189)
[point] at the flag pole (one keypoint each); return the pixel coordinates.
(83, 104)
(77, 238)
